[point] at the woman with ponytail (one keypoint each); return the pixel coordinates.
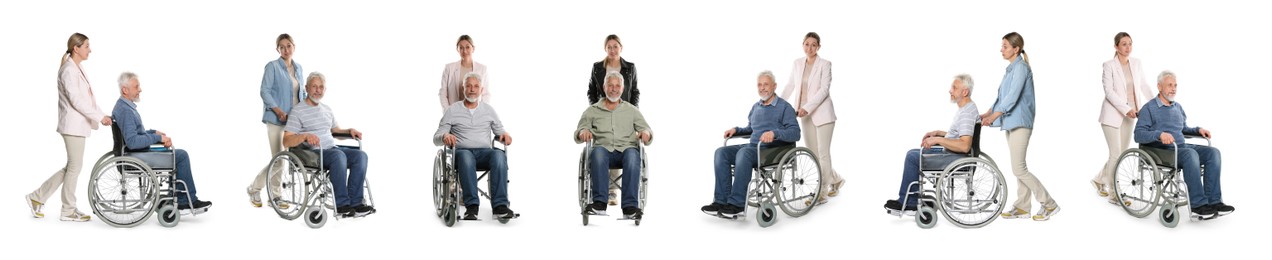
(78, 115)
(1126, 89)
(1014, 112)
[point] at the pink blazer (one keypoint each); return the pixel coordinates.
(77, 110)
(1115, 104)
(818, 105)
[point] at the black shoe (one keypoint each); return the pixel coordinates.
(346, 211)
(199, 205)
(596, 208)
(632, 213)
(892, 205)
(1204, 212)
(470, 212)
(1222, 209)
(732, 211)
(362, 210)
(712, 209)
(502, 211)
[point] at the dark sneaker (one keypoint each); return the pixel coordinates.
(894, 208)
(470, 212)
(362, 210)
(632, 213)
(731, 211)
(712, 209)
(346, 211)
(1222, 209)
(199, 205)
(502, 211)
(1204, 212)
(596, 208)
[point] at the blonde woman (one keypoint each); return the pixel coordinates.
(452, 89)
(810, 77)
(1125, 91)
(1013, 112)
(282, 87)
(78, 115)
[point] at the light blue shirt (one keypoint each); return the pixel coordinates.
(1015, 97)
(276, 89)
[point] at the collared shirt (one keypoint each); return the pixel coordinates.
(1156, 118)
(1015, 97)
(136, 136)
(617, 129)
(964, 121)
(777, 116)
(277, 91)
(473, 128)
(317, 120)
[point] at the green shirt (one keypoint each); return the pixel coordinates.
(615, 130)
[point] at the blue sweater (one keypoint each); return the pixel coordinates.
(136, 136)
(778, 117)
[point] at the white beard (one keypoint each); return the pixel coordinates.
(766, 98)
(470, 99)
(315, 100)
(1170, 98)
(614, 99)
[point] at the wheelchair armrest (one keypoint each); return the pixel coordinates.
(736, 136)
(1196, 137)
(341, 137)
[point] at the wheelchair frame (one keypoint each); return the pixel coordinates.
(448, 192)
(318, 195)
(944, 184)
(585, 181)
(769, 184)
(156, 188)
(1166, 182)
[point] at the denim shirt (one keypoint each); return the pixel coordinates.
(276, 89)
(1156, 118)
(136, 136)
(1015, 97)
(778, 117)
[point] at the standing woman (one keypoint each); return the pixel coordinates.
(1014, 113)
(596, 87)
(282, 87)
(1125, 89)
(811, 78)
(78, 115)
(453, 75)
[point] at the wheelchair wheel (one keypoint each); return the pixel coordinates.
(98, 162)
(757, 190)
(926, 217)
(168, 215)
(449, 216)
(123, 191)
(585, 181)
(766, 215)
(1136, 180)
(799, 175)
(1168, 216)
(439, 181)
(315, 217)
(971, 192)
(293, 185)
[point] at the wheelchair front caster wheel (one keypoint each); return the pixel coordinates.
(766, 215)
(585, 219)
(315, 217)
(449, 217)
(926, 217)
(168, 215)
(1168, 216)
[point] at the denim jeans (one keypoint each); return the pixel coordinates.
(934, 159)
(348, 169)
(467, 162)
(600, 162)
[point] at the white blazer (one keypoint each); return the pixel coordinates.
(77, 112)
(818, 103)
(452, 89)
(1115, 104)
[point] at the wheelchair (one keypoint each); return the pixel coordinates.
(585, 181)
(969, 191)
(1149, 179)
(305, 187)
(447, 191)
(127, 185)
(790, 181)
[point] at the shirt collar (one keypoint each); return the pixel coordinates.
(601, 104)
(774, 103)
(1158, 100)
(128, 102)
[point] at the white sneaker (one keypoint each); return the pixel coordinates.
(77, 217)
(1099, 189)
(35, 206)
(1015, 213)
(1046, 213)
(254, 196)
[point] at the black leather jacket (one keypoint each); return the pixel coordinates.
(596, 87)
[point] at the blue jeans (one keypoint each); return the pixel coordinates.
(467, 161)
(183, 174)
(934, 159)
(742, 158)
(1191, 159)
(601, 160)
(348, 169)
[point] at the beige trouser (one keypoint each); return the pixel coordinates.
(67, 177)
(1026, 182)
(1118, 140)
(275, 146)
(817, 138)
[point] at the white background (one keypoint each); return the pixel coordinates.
(201, 65)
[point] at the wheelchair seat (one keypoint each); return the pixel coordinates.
(1164, 157)
(931, 164)
(308, 157)
(163, 159)
(773, 155)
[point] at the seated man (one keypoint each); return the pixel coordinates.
(955, 144)
(467, 126)
(1162, 122)
(616, 126)
(311, 124)
(771, 122)
(136, 137)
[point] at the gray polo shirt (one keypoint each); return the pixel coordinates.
(473, 127)
(317, 120)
